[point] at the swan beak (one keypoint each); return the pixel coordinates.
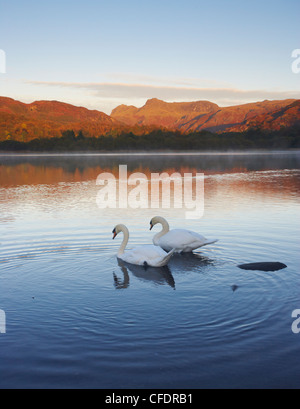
(151, 226)
(114, 236)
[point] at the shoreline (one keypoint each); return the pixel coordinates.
(152, 153)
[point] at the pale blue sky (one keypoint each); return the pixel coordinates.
(100, 54)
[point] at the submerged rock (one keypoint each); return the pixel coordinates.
(268, 266)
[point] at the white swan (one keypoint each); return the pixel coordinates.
(184, 241)
(145, 255)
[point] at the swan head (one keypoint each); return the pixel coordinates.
(153, 222)
(158, 219)
(118, 229)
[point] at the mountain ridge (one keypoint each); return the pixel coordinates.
(203, 115)
(48, 119)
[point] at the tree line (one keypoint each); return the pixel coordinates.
(160, 140)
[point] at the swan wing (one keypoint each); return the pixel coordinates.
(202, 239)
(147, 255)
(184, 240)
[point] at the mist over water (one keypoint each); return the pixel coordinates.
(78, 317)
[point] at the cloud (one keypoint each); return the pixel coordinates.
(125, 93)
(134, 78)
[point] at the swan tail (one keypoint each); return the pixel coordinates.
(166, 259)
(207, 242)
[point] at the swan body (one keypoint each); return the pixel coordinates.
(144, 255)
(182, 240)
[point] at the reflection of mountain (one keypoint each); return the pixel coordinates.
(158, 275)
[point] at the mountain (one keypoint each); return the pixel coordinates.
(203, 115)
(242, 117)
(284, 117)
(163, 114)
(47, 119)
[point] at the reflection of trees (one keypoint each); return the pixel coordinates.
(33, 170)
(155, 163)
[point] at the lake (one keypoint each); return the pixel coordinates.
(76, 317)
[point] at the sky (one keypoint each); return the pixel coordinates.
(100, 54)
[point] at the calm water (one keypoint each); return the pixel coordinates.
(78, 318)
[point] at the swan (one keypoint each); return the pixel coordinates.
(184, 241)
(144, 255)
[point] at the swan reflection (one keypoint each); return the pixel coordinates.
(188, 262)
(180, 263)
(158, 275)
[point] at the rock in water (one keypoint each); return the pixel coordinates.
(268, 266)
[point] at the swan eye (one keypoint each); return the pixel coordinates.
(114, 231)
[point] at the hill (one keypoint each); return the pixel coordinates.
(203, 115)
(48, 119)
(163, 114)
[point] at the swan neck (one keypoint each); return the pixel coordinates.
(125, 240)
(165, 226)
(165, 230)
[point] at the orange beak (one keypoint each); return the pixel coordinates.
(114, 236)
(151, 226)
